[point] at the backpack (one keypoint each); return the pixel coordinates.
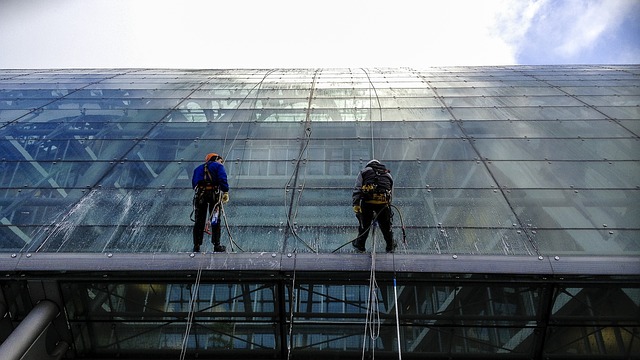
(376, 184)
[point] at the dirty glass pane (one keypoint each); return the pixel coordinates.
(577, 208)
(558, 149)
(544, 129)
(566, 174)
(527, 113)
(102, 160)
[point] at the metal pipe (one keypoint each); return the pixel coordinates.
(29, 330)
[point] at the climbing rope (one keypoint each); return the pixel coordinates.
(395, 298)
(232, 241)
(372, 319)
(293, 208)
(224, 145)
(375, 218)
(292, 305)
(257, 92)
(192, 304)
(404, 234)
(373, 149)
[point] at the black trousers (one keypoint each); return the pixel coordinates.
(366, 218)
(204, 205)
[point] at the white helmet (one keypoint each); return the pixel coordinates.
(373, 161)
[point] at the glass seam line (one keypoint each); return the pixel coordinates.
(484, 163)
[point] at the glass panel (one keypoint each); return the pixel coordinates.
(632, 125)
(500, 91)
(111, 103)
(527, 113)
(8, 116)
(105, 92)
(577, 208)
(558, 149)
(566, 174)
(552, 129)
(591, 342)
(583, 242)
(21, 103)
(613, 101)
(147, 317)
(511, 101)
(608, 89)
(594, 321)
(488, 315)
(69, 118)
(620, 112)
(326, 150)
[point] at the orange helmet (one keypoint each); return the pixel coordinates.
(212, 157)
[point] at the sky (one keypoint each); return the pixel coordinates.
(215, 34)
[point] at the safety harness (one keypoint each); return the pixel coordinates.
(204, 187)
(376, 189)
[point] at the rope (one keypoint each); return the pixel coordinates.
(257, 92)
(292, 297)
(293, 213)
(373, 150)
(404, 234)
(193, 209)
(395, 294)
(232, 242)
(224, 145)
(190, 316)
(372, 320)
(350, 241)
(293, 209)
(395, 297)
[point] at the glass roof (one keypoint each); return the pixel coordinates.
(497, 161)
(495, 169)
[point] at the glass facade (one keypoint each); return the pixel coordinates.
(517, 161)
(514, 162)
(487, 319)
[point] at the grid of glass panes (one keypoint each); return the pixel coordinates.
(498, 160)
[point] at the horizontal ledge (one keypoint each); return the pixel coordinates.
(308, 262)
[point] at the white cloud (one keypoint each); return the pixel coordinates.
(290, 33)
(568, 31)
(513, 19)
(586, 21)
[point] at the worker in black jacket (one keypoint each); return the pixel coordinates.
(372, 203)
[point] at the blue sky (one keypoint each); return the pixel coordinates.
(331, 33)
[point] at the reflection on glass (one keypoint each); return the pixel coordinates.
(485, 162)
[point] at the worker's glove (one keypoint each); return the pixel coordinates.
(357, 209)
(225, 198)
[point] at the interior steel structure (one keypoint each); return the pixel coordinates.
(516, 210)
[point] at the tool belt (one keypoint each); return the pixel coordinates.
(372, 195)
(379, 198)
(204, 186)
(205, 191)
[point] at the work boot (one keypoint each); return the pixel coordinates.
(391, 247)
(358, 246)
(219, 248)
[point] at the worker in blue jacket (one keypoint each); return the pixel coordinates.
(209, 182)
